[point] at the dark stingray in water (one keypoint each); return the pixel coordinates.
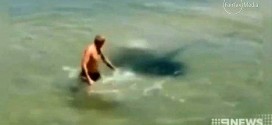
(148, 62)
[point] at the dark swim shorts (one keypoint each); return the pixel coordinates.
(94, 75)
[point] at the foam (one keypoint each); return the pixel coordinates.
(173, 98)
(138, 43)
(231, 104)
(156, 88)
(72, 72)
(120, 76)
(105, 91)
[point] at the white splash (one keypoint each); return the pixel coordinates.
(120, 76)
(138, 43)
(154, 89)
(72, 72)
(157, 89)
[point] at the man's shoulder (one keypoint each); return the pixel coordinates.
(90, 48)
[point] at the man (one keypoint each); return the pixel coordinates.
(90, 60)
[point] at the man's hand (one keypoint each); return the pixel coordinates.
(111, 66)
(90, 81)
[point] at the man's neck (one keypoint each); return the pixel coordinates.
(98, 49)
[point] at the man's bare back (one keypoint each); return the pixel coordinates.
(92, 56)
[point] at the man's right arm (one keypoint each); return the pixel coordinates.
(86, 59)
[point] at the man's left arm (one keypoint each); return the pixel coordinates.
(107, 62)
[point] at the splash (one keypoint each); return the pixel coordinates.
(72, 72)
(138, 43)
(155, 89)
(120, 76)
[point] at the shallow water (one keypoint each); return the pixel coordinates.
(181, 62)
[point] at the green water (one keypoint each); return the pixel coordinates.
(181, 62)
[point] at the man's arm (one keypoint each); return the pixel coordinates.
(84, 64)
(107, 62)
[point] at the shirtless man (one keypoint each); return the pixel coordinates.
(91, 57)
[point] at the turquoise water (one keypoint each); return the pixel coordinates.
(181, 62)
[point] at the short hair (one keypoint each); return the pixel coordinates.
(99, 39)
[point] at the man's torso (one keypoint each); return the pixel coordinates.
(94, 58)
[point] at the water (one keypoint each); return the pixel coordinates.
(181, 62)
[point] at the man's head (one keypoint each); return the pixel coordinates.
(99, 41)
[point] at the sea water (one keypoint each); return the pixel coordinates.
(179, 62)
